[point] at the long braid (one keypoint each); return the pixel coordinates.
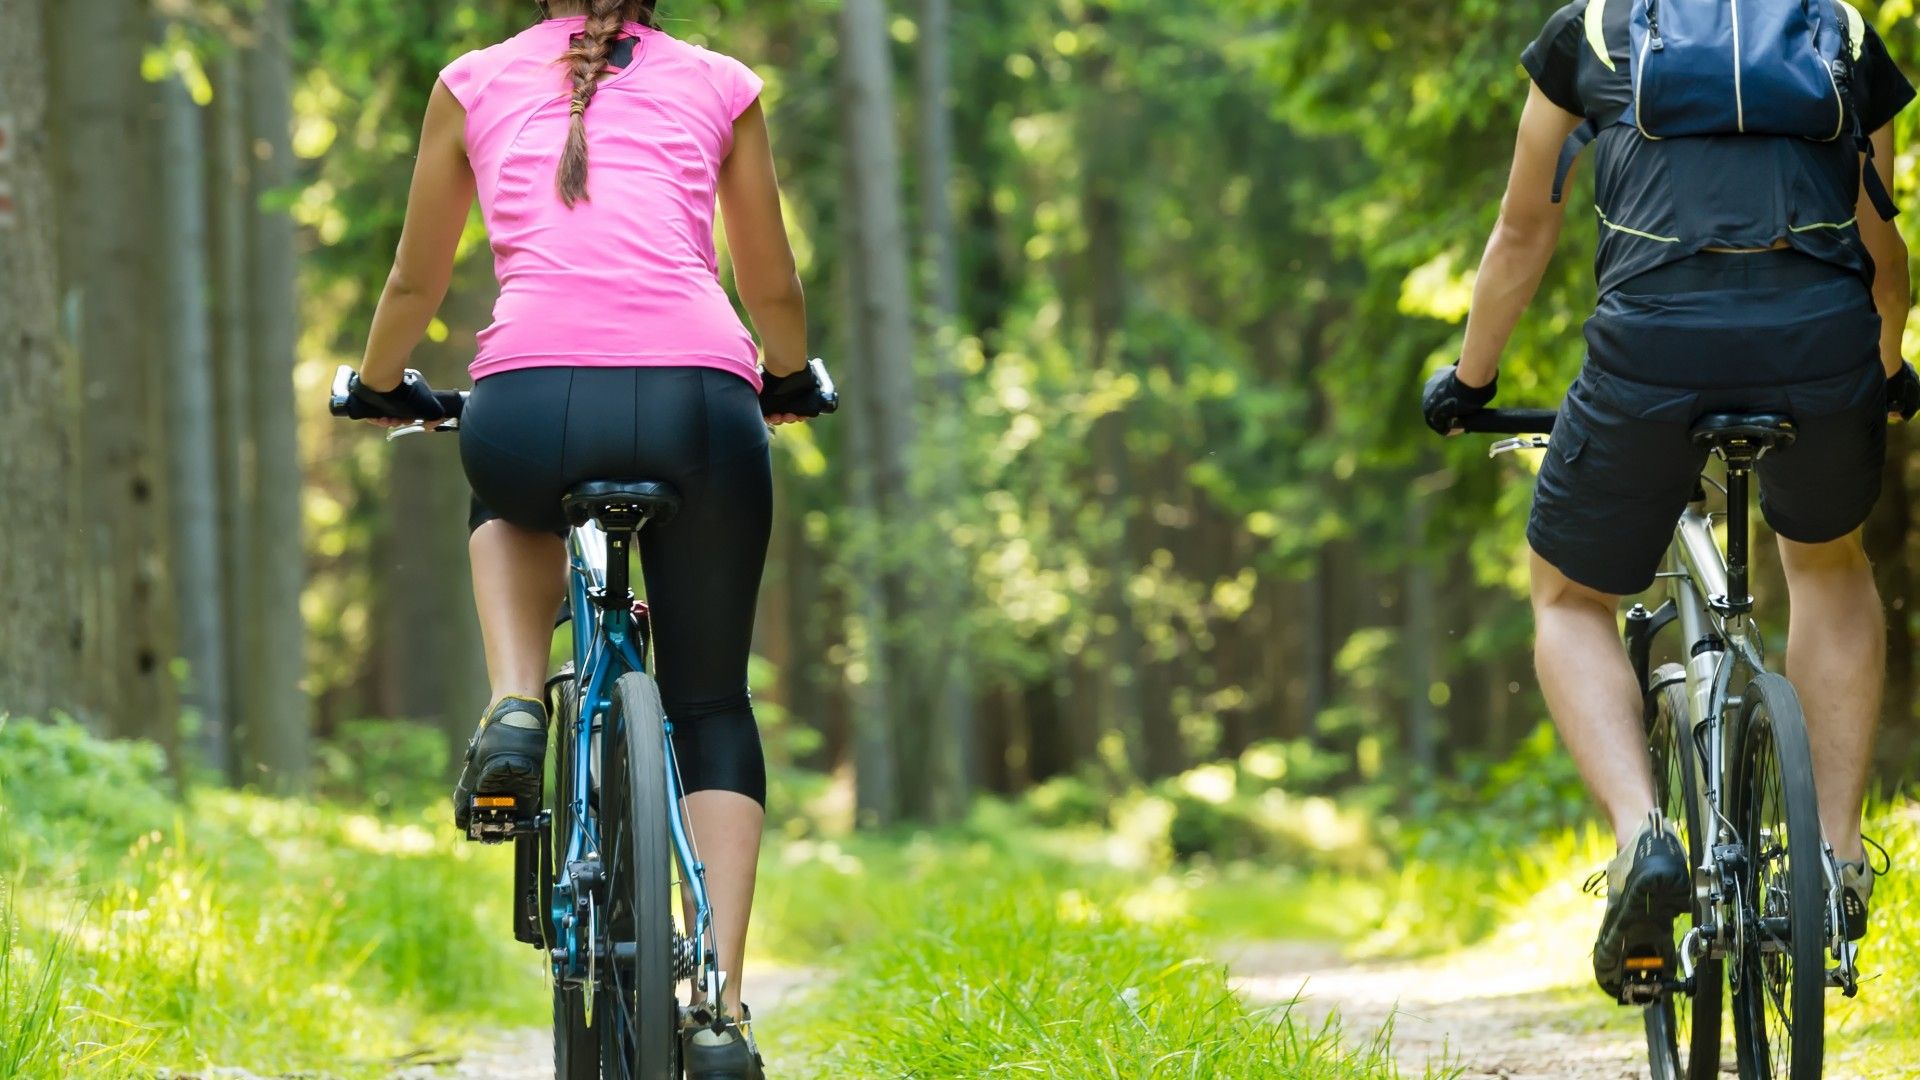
(587, 61)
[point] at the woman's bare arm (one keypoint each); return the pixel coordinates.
(763, 267)
(437, 209)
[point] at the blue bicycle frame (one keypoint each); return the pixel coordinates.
(609, 641)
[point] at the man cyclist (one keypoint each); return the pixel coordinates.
(1736, 273)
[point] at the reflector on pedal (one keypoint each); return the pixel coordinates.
(1645, 963)
(489, 802)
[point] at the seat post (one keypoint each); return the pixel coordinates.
(619, 594)
(1739, 468)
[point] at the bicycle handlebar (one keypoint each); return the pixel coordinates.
(1508, 422)
(342, 403)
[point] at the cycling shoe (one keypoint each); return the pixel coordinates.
(721, 1052)
(1856, 890)
(506, 756)
(1649, 884)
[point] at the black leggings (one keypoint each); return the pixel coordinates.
(527, 436)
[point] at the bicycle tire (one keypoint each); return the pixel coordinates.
(1683, 1031)
(641, 1038)
(1779, 983)
(576, 1049)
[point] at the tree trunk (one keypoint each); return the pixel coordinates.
(869, 689)
(952, 769)
(1419, 630)
(433, 664)
(40, 569)
(107, 255)
(1103, 142)
(806, 698)
(279, 735)
(883, 322)
(228, 188)
(193, 470)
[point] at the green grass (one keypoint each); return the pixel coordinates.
(140, 932)
(1878, 1033)
(233, 929)
(30, 981)
(1003, 953)
(149, 933)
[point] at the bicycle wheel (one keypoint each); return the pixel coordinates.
(1779, 976)
(576, 1051)
(640, 1039)
(1683, 1030)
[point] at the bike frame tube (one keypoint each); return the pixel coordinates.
(1706, 677)
(1721, 640)
(600, 657)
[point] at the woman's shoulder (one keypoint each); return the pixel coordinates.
(707, 61)
(470, 72)
(731, 79)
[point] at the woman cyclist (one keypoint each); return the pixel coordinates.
(598, 146)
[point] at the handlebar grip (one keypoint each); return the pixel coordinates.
(829, 396)
(1509, 422)
(342, 403)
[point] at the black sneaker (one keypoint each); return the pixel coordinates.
(1649, 884)
(506, 756)
(723, 1051)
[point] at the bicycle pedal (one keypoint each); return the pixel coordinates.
(1646, 980)
(494, 820)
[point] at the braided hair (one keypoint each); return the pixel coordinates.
(586, 61)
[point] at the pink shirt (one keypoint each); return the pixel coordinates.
(627, 278)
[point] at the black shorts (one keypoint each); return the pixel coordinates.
(1772, 332)
(527, 436)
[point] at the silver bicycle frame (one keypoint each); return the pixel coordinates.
(1696, 579)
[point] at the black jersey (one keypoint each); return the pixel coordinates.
(1661, 200)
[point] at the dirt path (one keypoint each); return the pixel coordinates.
(1486, 1013)
(1497, 1010)
(527, 1054)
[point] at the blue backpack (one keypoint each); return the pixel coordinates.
(1741, 67)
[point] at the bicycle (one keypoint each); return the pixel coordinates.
(596, 873)
(1734, 772)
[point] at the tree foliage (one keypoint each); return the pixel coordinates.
(1166, 425)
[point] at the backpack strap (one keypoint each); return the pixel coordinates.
(1854, 31)
(1588, 131)
(1596, 32)
(1876, 188)
(1856, 27)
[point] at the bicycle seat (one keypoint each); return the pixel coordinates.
(620, 505)
(1752, 432)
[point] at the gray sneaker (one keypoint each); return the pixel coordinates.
(1649, 884)
(1856, 890)
(722, 1051)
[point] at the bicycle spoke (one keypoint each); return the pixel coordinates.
(619, 925)
(1773, 902)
